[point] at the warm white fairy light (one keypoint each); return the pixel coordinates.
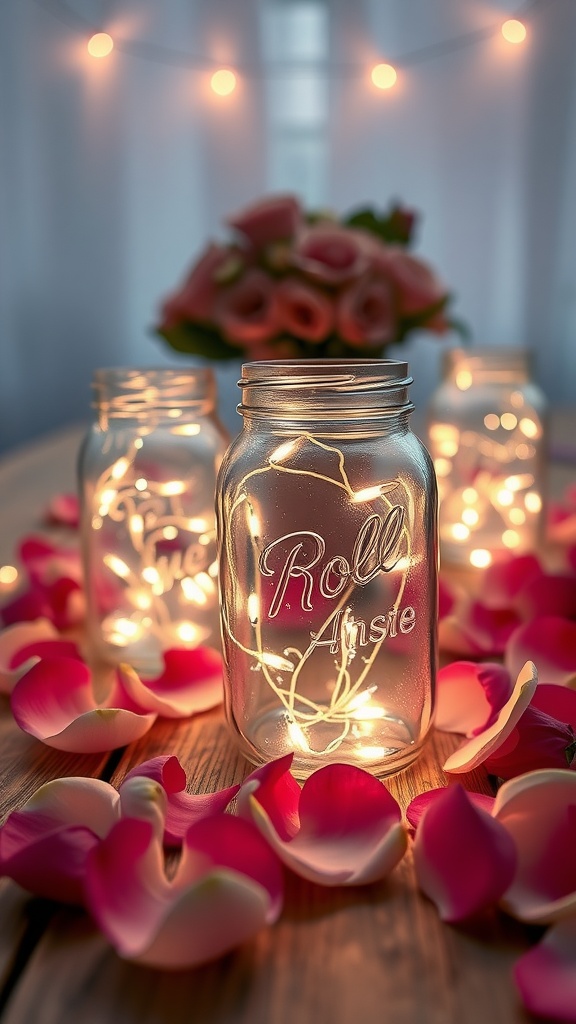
(100, 45)
(8, 574)
(511, 538)
(508, 420)
(514, 31)
(533, 501)
(223, 82)
(528, 427)
(470, 516)
(384, 76)
(117, 565)
(491, 421)
(463, 380)
(349, 691)
(480, 558)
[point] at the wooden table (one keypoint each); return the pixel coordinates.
(376, 954)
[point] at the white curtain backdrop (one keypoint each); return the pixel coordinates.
(115, 172)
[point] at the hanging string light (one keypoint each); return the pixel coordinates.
(514, 31)
(223, 81)
(384, 76)
(100, 44)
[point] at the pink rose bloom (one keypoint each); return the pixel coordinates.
(303, 310)
(331, 254)
(365, 314)
(195, 299)
(246, 310)
(418, 287)
(274, 219)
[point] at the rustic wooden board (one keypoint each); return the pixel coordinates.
(370, 954)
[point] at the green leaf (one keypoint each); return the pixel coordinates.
(200, 340)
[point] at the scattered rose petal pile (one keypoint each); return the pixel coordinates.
(174, 879)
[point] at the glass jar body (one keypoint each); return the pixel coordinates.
(147, 472)
(328, 576)
(486, 435)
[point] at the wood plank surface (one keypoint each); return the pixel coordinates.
(368, 954)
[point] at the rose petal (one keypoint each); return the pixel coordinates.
(12, 639)
(343, 828)
(539, 811)
(476, 750)
(470, 696)
(54, 702)
(548, 595)
(44, 845)
(191, 682)
(464, 859)
(183, 809)
(503, 581)
(420, 803)
(63, 510)
(204, 912)
(545, 975)
(557, 701)
(536, 741)
(550, 642)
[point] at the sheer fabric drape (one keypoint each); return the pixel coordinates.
(114, 173)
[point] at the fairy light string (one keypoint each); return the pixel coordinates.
(347, 698)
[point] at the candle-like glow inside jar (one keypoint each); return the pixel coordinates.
(489, 481)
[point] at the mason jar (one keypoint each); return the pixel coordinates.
(147, 472)
(486, 435)
(326, 517)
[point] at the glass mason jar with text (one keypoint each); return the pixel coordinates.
(147, 472)
(326, 513)
(486, 435)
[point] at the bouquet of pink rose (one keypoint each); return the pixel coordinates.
(291, 284)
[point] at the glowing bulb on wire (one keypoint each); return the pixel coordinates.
(223, 82)
(100, 44)
(383, 76)
(514, 31)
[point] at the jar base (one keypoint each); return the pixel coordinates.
(387, 748)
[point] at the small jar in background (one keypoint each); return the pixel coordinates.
(486, 435)
(147, 473)
(326, 510)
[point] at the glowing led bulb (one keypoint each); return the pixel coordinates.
(100, 45)
(8, 574)
(492, 421)
(463, 380)
(460, 531)
(480, 558)
(533, 501)
(383, 76)
(223, 82)
(514, 31)
(511, 538)
(470, 516)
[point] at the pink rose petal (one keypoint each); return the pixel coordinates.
(470, 696)
(549, 595)
(557, 701)
(54, 702)
(191, 682)
(183, 809)
(63, 510)
(342, 828)
(464, 859)
(539, 811)
(550, 642)
(536, 741)
(16, 637)
(504, 581)
(204, 911)
(417, 807)
(477, 749)
(44, 845)
(546, 975)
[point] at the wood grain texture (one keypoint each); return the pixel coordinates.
(371, 954)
